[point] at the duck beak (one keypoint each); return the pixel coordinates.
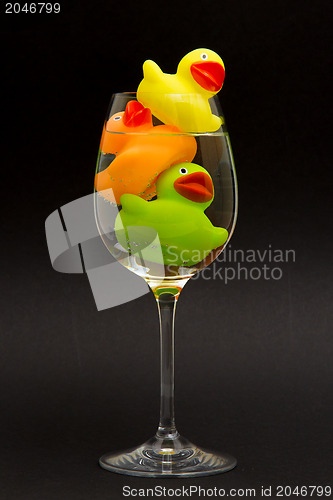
(208, 74)
(136, 115)
(196, 187)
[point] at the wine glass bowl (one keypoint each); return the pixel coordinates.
(149, 152)
(165, 207)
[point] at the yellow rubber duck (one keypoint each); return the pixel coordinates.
(182, 99)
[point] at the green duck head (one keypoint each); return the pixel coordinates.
(187, 183)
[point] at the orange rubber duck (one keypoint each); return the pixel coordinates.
(142, 151)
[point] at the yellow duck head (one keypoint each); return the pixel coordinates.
(204, 69)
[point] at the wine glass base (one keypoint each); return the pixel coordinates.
(168, 458)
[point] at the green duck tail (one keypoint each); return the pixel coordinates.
(220, 236)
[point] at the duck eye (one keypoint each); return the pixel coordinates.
(183, 171)
(204, 56)
(117, 118)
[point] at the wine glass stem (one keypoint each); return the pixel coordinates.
(166, 307)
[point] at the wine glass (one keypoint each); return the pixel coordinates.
(157, 190)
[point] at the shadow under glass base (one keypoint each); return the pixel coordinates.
(168, 458)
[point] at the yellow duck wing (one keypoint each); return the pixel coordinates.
(152, 74)
(154, 88)
(151, 85)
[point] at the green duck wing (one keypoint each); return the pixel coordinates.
(133, 204)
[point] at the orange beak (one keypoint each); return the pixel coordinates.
(209, 75)
(136, 115)
(196, 187)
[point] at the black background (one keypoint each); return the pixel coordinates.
(253, 358)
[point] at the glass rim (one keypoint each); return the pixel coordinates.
(218, 133)
(134, 93)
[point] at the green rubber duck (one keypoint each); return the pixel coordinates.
(172, 229)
